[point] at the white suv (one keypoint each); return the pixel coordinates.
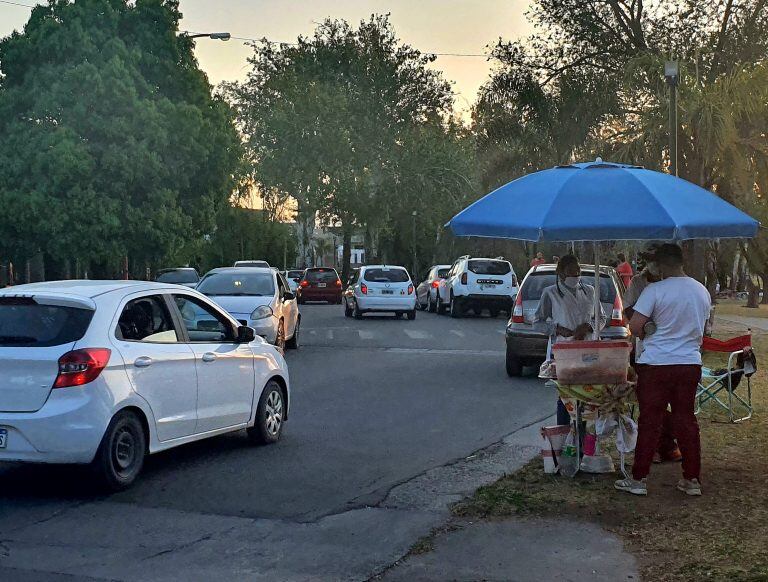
(477, 284)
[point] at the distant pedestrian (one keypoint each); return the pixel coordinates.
(624, 269)
(538, 260)
(669, 368)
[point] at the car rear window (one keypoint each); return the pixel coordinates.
(536, 283)
(234, 284)
(321, 276)
(443, 273)
(480, 267)
(178, 277)
(386, 276)
(24, 323)
(295, 274)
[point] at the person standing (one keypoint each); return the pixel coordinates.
(566, 311)
(624, 269)
(538, 259)
(669, 368)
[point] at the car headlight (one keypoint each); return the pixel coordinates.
(261, 312)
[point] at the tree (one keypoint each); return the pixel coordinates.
(110, 141)
(326, 121)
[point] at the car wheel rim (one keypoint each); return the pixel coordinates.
(280, 342)
(124, 450)
(274, 408)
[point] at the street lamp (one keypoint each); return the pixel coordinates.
(214, 35)
(672, 75)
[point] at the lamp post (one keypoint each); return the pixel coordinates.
(413, 214)
(214, 35)
(672, 75)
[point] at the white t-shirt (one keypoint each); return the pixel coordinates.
(679, 306)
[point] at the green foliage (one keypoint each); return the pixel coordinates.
(110, 141)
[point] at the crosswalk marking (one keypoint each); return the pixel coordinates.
(329, 334)
(365, 334)
(457, 332)
(416, 334)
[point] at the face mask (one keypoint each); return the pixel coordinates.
(572, 282)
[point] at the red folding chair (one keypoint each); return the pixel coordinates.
(741, 364)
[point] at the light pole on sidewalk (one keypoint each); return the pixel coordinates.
(672, 75)
(413, 272)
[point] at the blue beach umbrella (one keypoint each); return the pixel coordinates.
(602, 201)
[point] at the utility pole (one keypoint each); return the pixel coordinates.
(413, 272)
(672, 75)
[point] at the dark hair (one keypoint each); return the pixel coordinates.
(565, 262)
(621, 257)
(669, 255)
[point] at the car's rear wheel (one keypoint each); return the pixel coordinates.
(514, 364)
(270, 416)
(412, 314)
(430, 303)
(439, 307)
(293, 343)
(121, 453)
(455, 307)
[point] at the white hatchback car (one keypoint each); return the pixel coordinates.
(104, 372)
(258, 297)
(380, 288)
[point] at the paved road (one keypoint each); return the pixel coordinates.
(376, 403)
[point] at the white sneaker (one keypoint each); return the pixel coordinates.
(692, 487)
(632, 486)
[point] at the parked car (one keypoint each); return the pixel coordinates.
(320, 284)
(293, 277)
(105, 372)
(525, 346)
(260, 264)
(380, 288)
(426, 292)
(186, 276)
(476, 284)
(257, 297)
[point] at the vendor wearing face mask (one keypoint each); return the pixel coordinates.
(667, 451)
(566, 310)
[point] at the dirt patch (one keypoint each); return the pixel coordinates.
(720, 536)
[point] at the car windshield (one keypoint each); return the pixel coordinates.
(321, 276)
(237, 284)
(295, 274)
(178, 277)
(443, 273)
(24, 323)
(483, 267)
(385, 275)
(536, 283)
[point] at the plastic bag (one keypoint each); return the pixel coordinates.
(569, 461)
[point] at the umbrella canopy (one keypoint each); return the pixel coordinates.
(600, 201)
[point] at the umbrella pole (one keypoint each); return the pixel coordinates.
(596, 330)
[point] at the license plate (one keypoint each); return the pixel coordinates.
(387, 292)
(487, 286)
(3, 438)
(321, 285)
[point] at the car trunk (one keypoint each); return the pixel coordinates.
(387, 282)
(489, 278)
(27, 376)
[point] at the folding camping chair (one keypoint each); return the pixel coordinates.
(741, 364)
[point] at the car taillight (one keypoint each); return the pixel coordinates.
(304, 283)
(364, 289)
(463, 278)
(410, 289)
(338, 282)
(517, 312)
(80, 367)
(617, 315)
(435, 284)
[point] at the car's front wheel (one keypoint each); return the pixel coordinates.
(121, 453)
(293, 343)
(270, 415)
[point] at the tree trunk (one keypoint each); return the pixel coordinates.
(764, 285)
(752, 298)
(346, 254)
(305, 222)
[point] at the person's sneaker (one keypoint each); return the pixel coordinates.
(631, 486)
(689, 487)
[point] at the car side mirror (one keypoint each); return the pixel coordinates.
(288, 296)
(245, 334)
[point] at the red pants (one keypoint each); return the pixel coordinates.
(657, 387)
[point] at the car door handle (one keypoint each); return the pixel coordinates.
(209, 357)
(143, 362)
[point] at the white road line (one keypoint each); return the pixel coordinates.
(430, 352)
(502, 331)
(458, 333)
(329, 334)
(312, 332)
(364, 334)
(416, 334)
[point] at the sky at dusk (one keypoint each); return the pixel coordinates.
(440, 26)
